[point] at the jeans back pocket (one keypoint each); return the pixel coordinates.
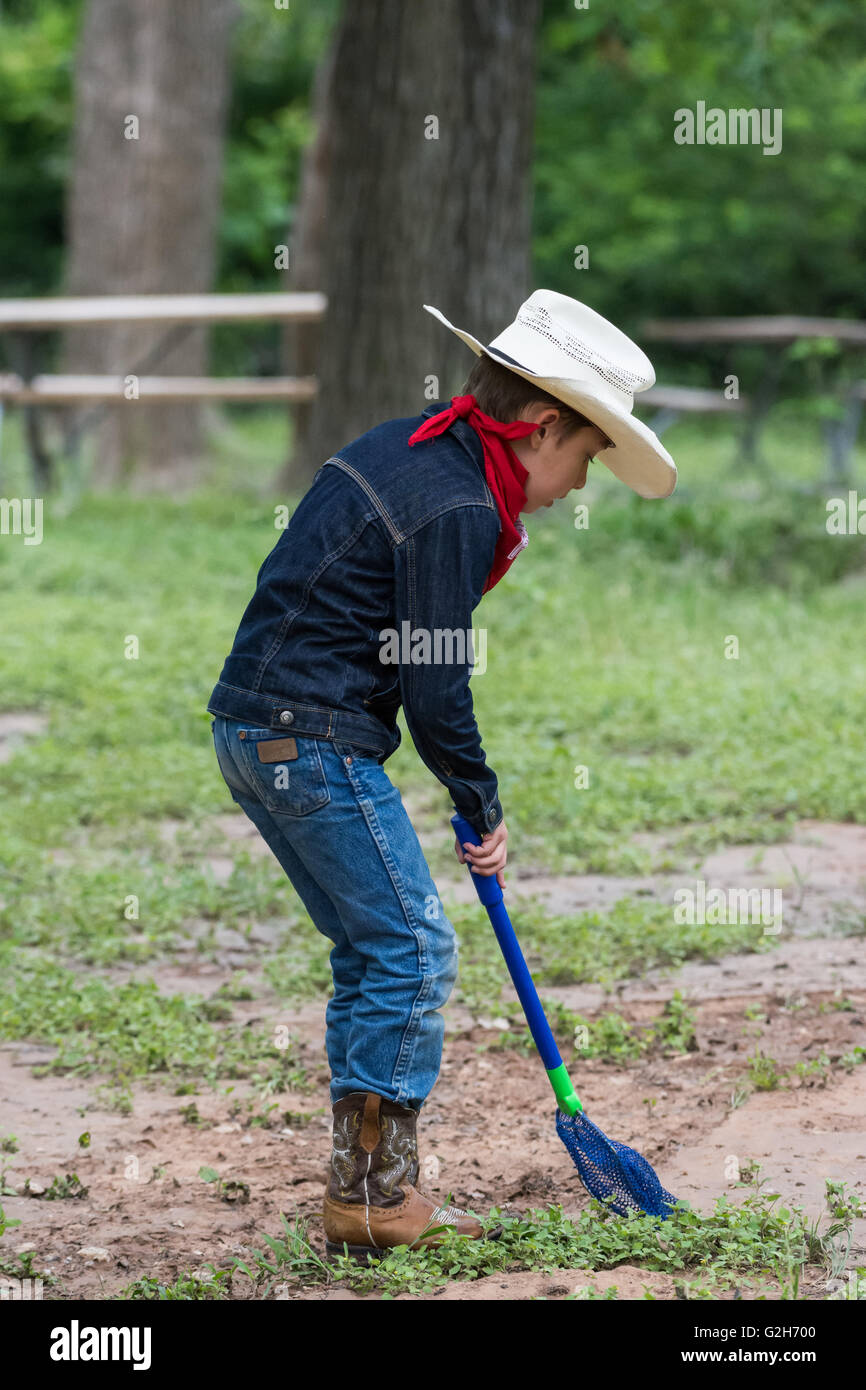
(286, 773)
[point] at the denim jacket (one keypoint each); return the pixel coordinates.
(387, 539)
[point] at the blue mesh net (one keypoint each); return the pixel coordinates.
(612, 1172)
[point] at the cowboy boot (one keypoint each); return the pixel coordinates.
(371, 1202)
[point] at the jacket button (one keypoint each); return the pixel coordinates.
(286, 716)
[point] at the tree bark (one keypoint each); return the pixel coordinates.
(142, 212)
(429, 127)
(306, 269)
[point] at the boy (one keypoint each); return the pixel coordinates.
(404, 531)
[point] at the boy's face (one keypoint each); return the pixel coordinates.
(555, 465)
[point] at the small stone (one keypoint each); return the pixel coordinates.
(94, 1252)
(230, 1127)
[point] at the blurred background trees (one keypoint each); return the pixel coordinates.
(144, 184)
(429, 120)
(305, 128)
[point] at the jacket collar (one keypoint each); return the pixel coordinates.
(463, 432)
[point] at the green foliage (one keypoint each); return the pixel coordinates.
(62, 1188)
(632, 936)
(37, 43)
(131, 1029)
(199, 1286)
(764, 1072)
(609, 1037)
(289, 1256)
(668, 728)
(81, 907)
(735, 1244)
(7, 1222)
(229, 1189)
(685, 230)
(777, 540)
(675, 1028)
(671, 229)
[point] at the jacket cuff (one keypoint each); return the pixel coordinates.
(484, 821)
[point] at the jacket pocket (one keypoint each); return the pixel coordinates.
(288, 776)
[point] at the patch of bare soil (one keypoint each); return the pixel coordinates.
(15, 727)
(820, 873)
(487, 1132)
(486, 1135)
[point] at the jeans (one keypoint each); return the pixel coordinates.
(338, 826)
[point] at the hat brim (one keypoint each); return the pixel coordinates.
(638, 458)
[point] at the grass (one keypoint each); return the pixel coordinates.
(609, 1037)
(131, 1030)
(134, 905)
(753, 1244)
(196, 1287)
(632, 936)
(621, 631)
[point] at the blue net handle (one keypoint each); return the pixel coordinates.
(490, 894)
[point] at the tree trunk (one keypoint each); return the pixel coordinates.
(429, 137)
(306, 269)
(152, 85)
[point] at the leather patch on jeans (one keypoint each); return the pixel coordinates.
(277, 750)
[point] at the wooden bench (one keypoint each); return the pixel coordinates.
(776, 333)
(178, 312)
(67, 390)
(673, 401)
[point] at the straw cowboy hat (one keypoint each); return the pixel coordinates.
(574, 354)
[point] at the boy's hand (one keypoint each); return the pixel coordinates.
(489, 857)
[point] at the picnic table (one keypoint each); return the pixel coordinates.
(177, 314)
(776, 335)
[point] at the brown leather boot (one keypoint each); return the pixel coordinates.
(371, 1202)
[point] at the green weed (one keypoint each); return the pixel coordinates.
(199, 1287)
(131, 1030)
(289, 1255)
(748, 1240)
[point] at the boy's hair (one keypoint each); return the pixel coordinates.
(502, 394)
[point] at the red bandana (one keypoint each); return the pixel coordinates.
(506, 475)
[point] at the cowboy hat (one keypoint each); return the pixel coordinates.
(574, 354)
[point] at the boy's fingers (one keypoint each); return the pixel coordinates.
(483, 854)
(490, 865)
(489, 842)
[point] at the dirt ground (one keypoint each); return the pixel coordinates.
(486, 1134)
